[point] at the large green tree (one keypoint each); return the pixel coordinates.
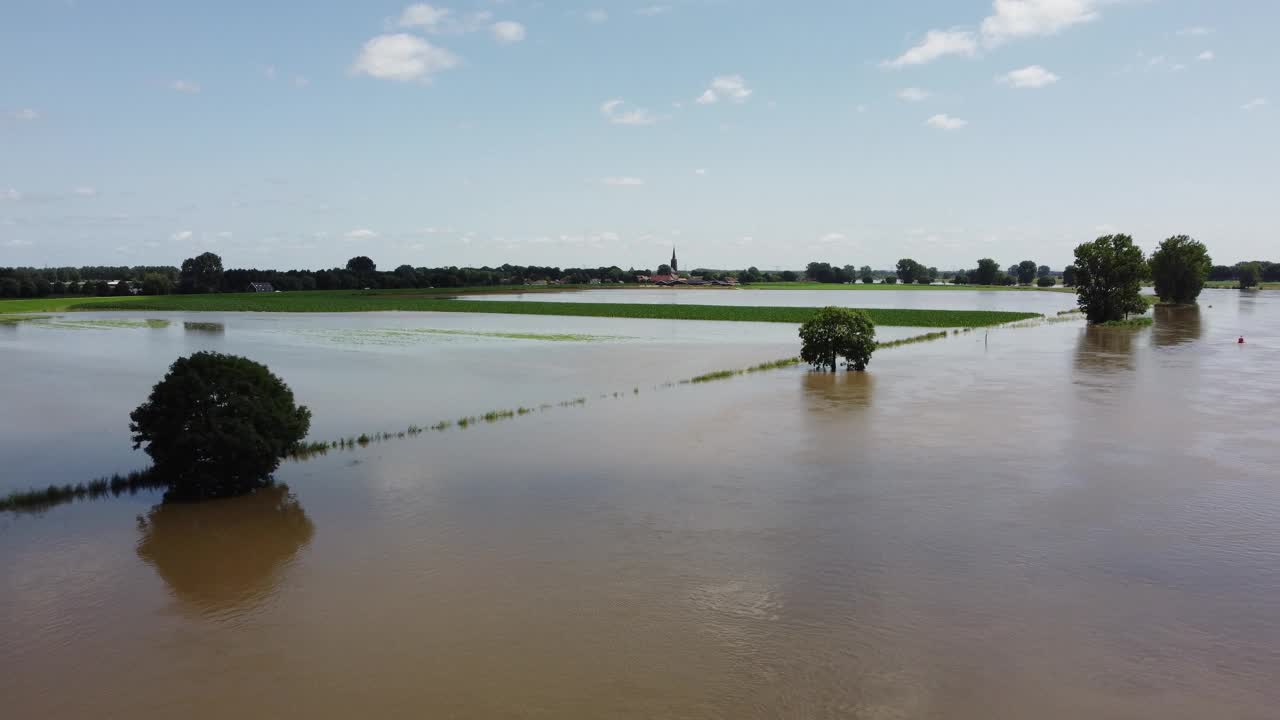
(202, 274)
(986, 272)
(1026, 272)
(909, 270)
(218, 425)
(1069, 276)
(836, 332)
(1109, 274)
(1179, 268)
(1250, 275)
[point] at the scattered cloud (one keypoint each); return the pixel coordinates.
(1205, 56)
(507, 32)
(1009, 20)
(85, 191)
(833, 237)
(1030, 77)
(300, 81)
(360, 234)
(652, 10)
(1025, 18)
(861, 109)
(936, 44)
(1254, 104)
(269, 72)
(615, 112)
(185, 86)
(181, 236)
(25, 115)
(622, 181)
(700, 171)
(732, 88)
(1197, 31)
(597, 16)
(422, 15)
(912, 94)
(10, 195)
(945, 122)
(402, 57)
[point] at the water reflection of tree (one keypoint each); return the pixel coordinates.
(838, 392)
(208, 328)
(1103, 349)
(1176, 325)
(225, 556)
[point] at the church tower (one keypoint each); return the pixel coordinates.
(675, 267)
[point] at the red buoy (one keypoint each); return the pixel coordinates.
(1240, 341)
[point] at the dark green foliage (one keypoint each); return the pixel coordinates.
(1179, 268)
(891, 280)
(986, 272)
(867, 279)
(909, 271)
(835, 332)
(1250, 275)
(202, 274)
(1109, 274)
(1026, 272)
(1046, 281)
(40, 499)
(362, 266)
(1043, 271)
(218, 425)
(156, 284)
(1069, 276)
(664, 269)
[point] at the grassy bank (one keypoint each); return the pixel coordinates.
(345, 301)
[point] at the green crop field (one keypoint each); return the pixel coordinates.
(348, 301)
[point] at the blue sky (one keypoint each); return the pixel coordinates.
(566, 133)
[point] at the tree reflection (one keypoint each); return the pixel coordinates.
(1104, 349)
(839, 391)
(1176, 325)
(225, 556)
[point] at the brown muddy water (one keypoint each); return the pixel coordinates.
(1043, 522)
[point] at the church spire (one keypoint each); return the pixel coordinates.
(675, 267)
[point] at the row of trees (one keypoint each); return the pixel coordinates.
(1110, 272)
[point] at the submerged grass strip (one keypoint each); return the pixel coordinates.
(39, 499)
(1135, 322)
(345, 301)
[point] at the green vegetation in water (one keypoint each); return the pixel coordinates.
(1136, 322)
(104, 324)
(40, 499)
(207, 327)
(15, 319)
(346, 301)
(407, 336)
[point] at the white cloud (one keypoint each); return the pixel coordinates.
(1205, 56)
(946, 122)
(507, 32)
(1198, 31)
(912, 94)
(652, 10)
(700, 171)
(833, 237)
(597, 16)
(360, 234)
(181, 236)
(936, 44)
(25, 114)
(402, 57)
(1033, 76)
(424, 16)
(269, 72)
(86, 191)
(10, 195)
(1254, 104)
(17, 242)
(726, 87)
(862, 108)
(185, 86)
(622, 181)
(1009, 19)
(1025, 18)
(614, 111)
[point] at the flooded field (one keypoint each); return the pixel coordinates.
(1038, 301)
(1048, 522)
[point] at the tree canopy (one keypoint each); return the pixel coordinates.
(986, 272)
(909, 270)
(835, 332)
(218, 425)
(1109, 274)
(1026, 272)
(1179, 268)
(1250, 275)
(202, 274)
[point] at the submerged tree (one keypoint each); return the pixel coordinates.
(1250, 275)
(835, 332)
(1179, 268)
(218, 425)
(1109, 274)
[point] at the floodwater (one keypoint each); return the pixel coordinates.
(1046, 302)
(1048, 522)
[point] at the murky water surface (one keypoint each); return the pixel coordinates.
(1046, 522)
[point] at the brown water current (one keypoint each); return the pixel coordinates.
(1037, 522)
